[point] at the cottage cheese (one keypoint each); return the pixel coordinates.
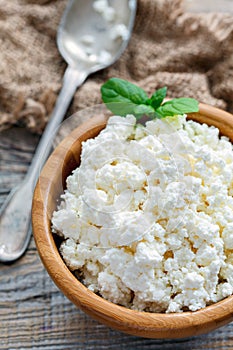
(110, 24)
(106, 11)
(147, 217)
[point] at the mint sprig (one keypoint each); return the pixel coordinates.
(123, 97)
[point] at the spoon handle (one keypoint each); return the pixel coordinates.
(15, 227)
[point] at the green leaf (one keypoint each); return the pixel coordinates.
(121, 96)
(141, 110)
(177, 106)
(157, 98)
(121, 108)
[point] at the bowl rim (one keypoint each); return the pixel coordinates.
(140, 323)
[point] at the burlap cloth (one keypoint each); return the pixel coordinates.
(190, 53)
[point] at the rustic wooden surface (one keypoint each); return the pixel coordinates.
(33, 312)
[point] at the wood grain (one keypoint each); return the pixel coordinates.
(34, 314)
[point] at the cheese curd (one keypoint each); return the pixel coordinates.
(147, 217)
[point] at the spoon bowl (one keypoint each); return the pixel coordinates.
(99, 41)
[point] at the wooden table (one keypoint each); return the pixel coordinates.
(34, 314)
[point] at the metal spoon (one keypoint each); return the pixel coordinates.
(88, 41)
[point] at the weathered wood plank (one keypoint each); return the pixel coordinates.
(34, 314)
(16, 149)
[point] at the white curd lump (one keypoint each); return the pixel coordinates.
(116, 31)
(147, 218)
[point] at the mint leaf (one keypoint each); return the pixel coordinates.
(121, 96)
(157, 98)
(177, 106)
(141, 110)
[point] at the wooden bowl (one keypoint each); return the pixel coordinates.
(50, 185)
